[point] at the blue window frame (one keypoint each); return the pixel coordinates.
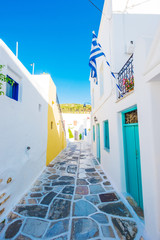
(94, 133)
(106, 135)
(12, 90)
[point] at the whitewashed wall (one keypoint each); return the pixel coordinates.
(116, 31)
(23, 124)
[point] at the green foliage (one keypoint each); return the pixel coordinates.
(75, 108)
(3, 78)
(80, 136)
(70, 133)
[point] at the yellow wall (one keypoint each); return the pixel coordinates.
(56, 136)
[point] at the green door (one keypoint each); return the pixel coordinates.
(98, 142)
(132, 156)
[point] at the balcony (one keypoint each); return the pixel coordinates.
(126, 78)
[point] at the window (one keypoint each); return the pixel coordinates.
(12, 90)
(106, 135)
(94, 133)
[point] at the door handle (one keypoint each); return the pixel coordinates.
(136, 153)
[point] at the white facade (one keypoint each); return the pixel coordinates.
(116, 32)
(78, 124)
(23, 131)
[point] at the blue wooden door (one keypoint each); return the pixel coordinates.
(98, 142)
(132, 162)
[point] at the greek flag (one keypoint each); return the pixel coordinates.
(96, 52)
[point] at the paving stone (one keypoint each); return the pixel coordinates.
(125, 229)
(22, 201)
(62, 168)
(65, 196)
(66, 178)
(35, 195)
(48, 188)
(106, 183)
(22, 237)
(35, 227)
(96, 189)
(36, 189)
(90, 170)
(13, 229)
(57, 228)
(94, 180)
(52, 170)
(57, 189)
(77, 197)
(82, 190)
(118, 209)
(108, 197)
(32, 210)
(94, 174)
(68, 190)
(62, 183)
(100, 218)
(84, 228)
(72, 169)
(37, 183)
(93, 199)
(107, 232)
(32, 201)
(48, 198)
(82, 182)
(83, 208)
(53, 177)
(12, 216)
(60, 208)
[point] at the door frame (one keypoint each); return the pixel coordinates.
(98, 143)
(125, 154)
(124, 143)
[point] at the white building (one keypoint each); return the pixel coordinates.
(78, 124)
(127, 146)
(30, 137)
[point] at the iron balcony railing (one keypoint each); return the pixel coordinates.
(126, 77)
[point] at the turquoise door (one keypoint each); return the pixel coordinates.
(132, 158)
(98, 142)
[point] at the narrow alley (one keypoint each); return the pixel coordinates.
(72, 199)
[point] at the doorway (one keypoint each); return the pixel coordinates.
(132, 155)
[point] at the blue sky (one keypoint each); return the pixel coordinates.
(55, 35)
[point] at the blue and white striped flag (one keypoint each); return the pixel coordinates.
(96, 52)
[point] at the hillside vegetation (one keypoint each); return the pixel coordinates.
(75, 108)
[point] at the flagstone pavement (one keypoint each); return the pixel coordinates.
(72, 199)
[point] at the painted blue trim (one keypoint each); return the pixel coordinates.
(106, 135)
(14, 89)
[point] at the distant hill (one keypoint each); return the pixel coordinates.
(75, 108)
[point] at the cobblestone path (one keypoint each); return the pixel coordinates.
(72, 199)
